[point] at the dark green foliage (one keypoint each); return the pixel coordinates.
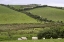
(56, 32)
(45, 6)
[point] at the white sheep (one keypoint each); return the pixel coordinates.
(34, 38)
(59, 38)
(19, 39)
(43, 38)
(24, 38)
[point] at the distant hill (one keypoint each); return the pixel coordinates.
(23, 6)
(9, 16)
(49, 13)
(16, 6)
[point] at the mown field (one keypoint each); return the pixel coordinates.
(47, 40)
(9, 16)
(49, 13)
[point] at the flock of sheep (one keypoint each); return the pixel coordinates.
(33, 38)
(25, 38)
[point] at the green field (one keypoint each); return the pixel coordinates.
(17, 6)
(22, 6)
(14, 24)
(47, 40)
(15, 34)
(49, 13)
(9, 16)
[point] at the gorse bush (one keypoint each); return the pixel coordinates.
(56, 32)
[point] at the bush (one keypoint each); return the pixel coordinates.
(56, 32)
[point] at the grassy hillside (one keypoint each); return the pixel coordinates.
(10, 16)
(17, 6)
(49, 13)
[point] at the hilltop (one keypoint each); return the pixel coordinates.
(22, 6)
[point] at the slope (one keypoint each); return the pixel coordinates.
(8, 16)
(49, 13)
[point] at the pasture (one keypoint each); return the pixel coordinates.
(9, 16)
(17, 6)
(46, 40)
(14, 24)
(49, 13)
(10, 34)
(22, 6)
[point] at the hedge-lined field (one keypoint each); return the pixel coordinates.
(9, 16)
(22, 6)
(15, 34)
(49, 13)
(15, 24)
(17, 6)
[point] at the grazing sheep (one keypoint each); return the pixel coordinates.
(43, 38)
(34, 38)
(24, 38)
(19, 39)
(59, 38)
(51, 38)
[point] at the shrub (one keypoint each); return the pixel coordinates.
(56, 32)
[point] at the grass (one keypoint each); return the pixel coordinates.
(22, 6)
(17, 6)
(15, 34)
(49, 13)
(47, 40)
(9, 16)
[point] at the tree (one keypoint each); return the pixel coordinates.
(45, 5)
